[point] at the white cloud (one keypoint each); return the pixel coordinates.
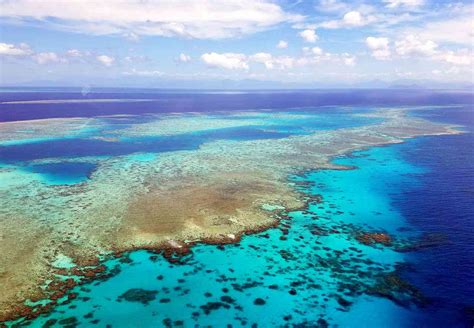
(132, 36)
(379, 47)
(204, 19)
(75, 53)
(263, 58)
(69, 56)
(315, 51)
(282, 44)
(350, 19)
(412, 45)
(310, 56)
(455, 30)
(105, 60)
(309, 35)
(143, 73)
(225, 60)
(353, 18)
(47, 58)
(271, 62)
(316, 55)
(348, 59)
(184, 58)
(461, 57)
(405, 3)
(8, 49)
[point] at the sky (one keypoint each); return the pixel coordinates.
(252, 43)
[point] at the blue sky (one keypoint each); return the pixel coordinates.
(305, 42)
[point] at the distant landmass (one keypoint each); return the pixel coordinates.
(226, 84)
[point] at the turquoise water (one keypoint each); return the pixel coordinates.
(310, 271)
(317, 274)
(104, 140)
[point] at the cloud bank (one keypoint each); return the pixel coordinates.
(204, 19)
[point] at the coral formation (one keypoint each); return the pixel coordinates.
(212, 194)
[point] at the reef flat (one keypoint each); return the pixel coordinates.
(215, 193)
(38, 130)
(179, 124)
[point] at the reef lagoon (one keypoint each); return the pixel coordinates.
(126, 208)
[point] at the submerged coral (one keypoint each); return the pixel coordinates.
(213, 194)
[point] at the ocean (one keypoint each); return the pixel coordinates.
(311, 270)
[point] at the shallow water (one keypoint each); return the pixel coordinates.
(321, 262)
(103, 140)
(318, 273)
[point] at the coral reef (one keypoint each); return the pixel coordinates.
(212, 194)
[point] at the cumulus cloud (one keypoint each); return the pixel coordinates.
(8, 49)
(144, 73)
(48, 57)
(227, 60)
(309, 35)
(317, 51)
(205, 19)
(74, 53)
(263, 58)
(282, 44)
(24, 51)
(379, 47)
(458, 29)
(316, 55)
(132, 36)
(414, 46)
(411, 45)
(310, 56)
(78, 54)
(353, 18)
(348, 60)
(460, 57)
(183, 58)
(105, 60)
(271, 62)
(350, 19)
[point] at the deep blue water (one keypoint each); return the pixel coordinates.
(209, 101)
(424, 187)
(64, 173)
(86, 144)
(443, 203)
